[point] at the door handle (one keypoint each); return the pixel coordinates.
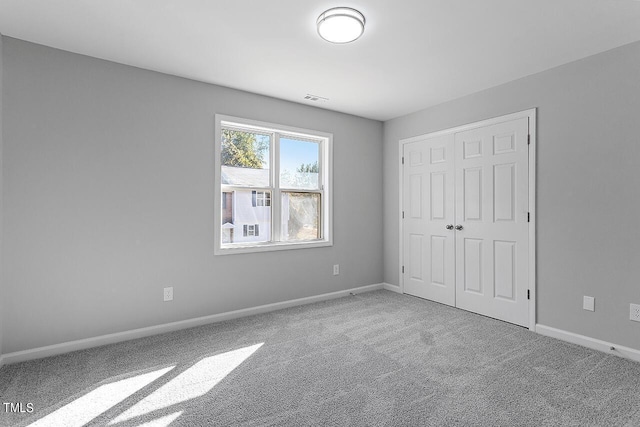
(449, 226)
(459, 227)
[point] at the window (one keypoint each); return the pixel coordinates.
(261, 198)
(273, 186)
(251, 230)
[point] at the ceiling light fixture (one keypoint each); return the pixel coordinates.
(340, 25)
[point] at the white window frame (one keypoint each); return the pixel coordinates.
(325, 174)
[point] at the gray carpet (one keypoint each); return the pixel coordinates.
(374, 359)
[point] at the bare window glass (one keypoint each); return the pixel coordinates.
(300, 216)
(244, 158)
(251, 222)
(299, 167)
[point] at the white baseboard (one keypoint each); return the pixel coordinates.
(604, 346)
(66, 347)
(392, 288)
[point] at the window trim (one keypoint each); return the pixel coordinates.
(325, 174)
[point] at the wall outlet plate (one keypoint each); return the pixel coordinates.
(336, 269)
(634, 312)
(168, 293)
(589, 303)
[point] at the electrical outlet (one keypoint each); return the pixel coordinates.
(589, 303)
(336, 269)
(634, 312)
(168, 293)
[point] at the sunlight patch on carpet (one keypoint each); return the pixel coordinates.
(194, 382)
(90, 405)
(163, 421)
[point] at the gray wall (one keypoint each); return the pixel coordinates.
(108, 198)
(588, 176)
(1, 213)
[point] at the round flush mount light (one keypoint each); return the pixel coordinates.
(340, 25)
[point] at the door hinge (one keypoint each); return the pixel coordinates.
(403, 160)
(528, 294)
(403, 269)
(402, 214)
(528, 216)
(528, 139)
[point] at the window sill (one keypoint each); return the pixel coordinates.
(269, 247)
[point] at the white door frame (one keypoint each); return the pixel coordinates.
(531, 115)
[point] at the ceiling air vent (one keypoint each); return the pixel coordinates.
(315, 98)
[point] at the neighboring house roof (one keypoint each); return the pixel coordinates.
(248, 177)
(245, 177)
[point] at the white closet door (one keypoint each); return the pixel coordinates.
(428, 199)
(492, 210)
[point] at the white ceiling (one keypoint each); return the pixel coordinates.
(413, 54)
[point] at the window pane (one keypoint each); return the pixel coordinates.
(245, 219)
(299, 164)
(300, 216)
(244, 158)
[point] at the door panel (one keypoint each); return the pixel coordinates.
(492, 164)
(504, 268)
(472, 266)
(416, 257)
(428, 204)
(438, 260)
(438, 199)
(415, 201)
(472, 188)
(504, 198)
